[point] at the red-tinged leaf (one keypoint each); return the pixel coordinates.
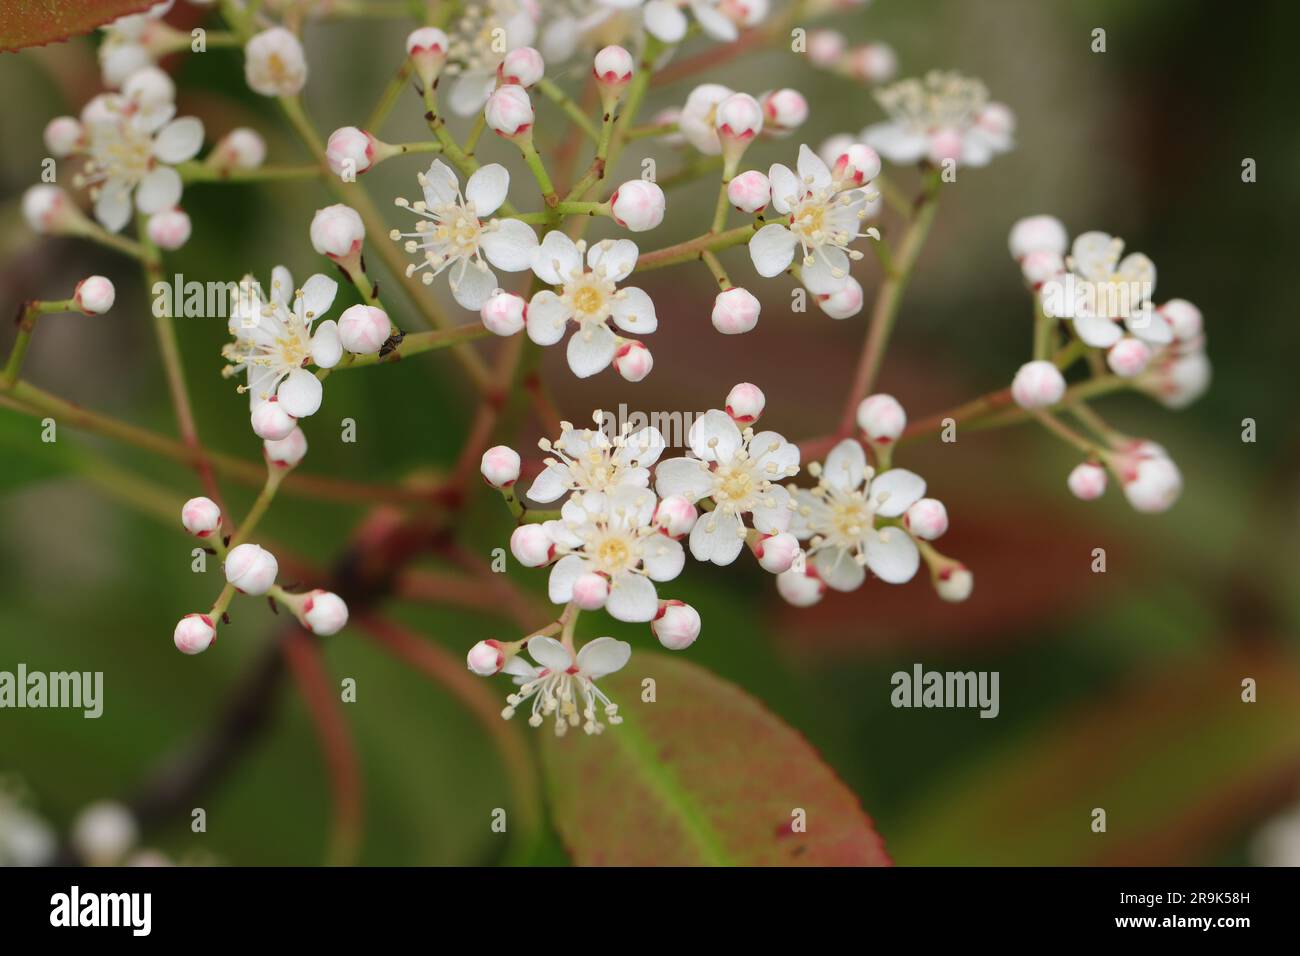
(1177, 760)
(26, 23)
(704, 775)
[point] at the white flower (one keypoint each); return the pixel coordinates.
(454, 233)
(698, 115)
(613, 534)
(589, 297)
(274, 64)
(822, 215)
(566, 688)
(479, 42)
(839, 517)
(666, 21)
(1110, 290)
(588, 460)
(132, 142)
(739, 471)
(275, 338)
(136, 41)
(944, 116)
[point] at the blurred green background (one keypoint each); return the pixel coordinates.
(1118, 690)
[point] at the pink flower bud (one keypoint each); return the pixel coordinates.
(149, 87)
(777, 552)
(1038, 385)
(873, 62)
(286, 452)
(241, 148)
(531, 545)
(1037, 234)
(324, 613)
(745, 403)
(485, 658)
(926, 519)
(103, 832)
(251, 569)
(881, 418)
(784, 110)
(857, 163)
(350, 150)
(1128, 357)
(1152, 484)
(522, 65)
(750, 192)
(504, 313)
(954, 584)
(1184, 318)
(94, 295)
(274, 64)
(63, 136)
(500, 466)
(337, 231)
(194, 634)
(633, 361)
(800, 588)
(739, 118)
(201, 516)
(590, 591)
(638, 205)
(675, 515)
(1087, 481)
(613, 67)
(271, 422)
(826, 48)
(50, 211)
(169, 229)
(509, 111)
(1177, 381)
(364, 329)
(427, 48)
(735, 311)
(1041, 266)
(844, 303)
(677, 625)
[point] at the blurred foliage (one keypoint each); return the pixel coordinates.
(1118, 690)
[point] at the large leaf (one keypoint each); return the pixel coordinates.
(705, 775)
(36, 22)
(1177, 760)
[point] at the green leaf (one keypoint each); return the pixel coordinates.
(704, 775)
(1177, 760)
(36, 22)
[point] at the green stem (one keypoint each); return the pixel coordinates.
(413, 344)
(719, 273)
(263, 501)
(196, 172)
(26, 323)
(571, 109)
(692, 248)
(388, 99)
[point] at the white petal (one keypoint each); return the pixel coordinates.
(772, 249)
(160, 189)
(845, 465)
(634, 311)
(440, 184)
(837, 568)
(786, 187)
(113, 207)
(828, 272)
(1151, 327)
(179, 140)
(487, 189)
(714, 22)
(509, 245)
(663, 558)
(772, 514)
(683, 476)
(892, 555)
(326, 346)
(717, 538)
(282, 287)
(895, 491)
(665, 21)
(811, 167)
(642, 447)
(471, 91)
(547, 317)
(317, 296)
(896, 143)
(1096, 331)
(1094, 254)
(474, 286)
(632, 598)
(618, 256)
(603, 656)
(591, 349)
(559, 588)
(556, 258)
(550, 653)
(300, 393)
(714, 436)
(550, 485)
